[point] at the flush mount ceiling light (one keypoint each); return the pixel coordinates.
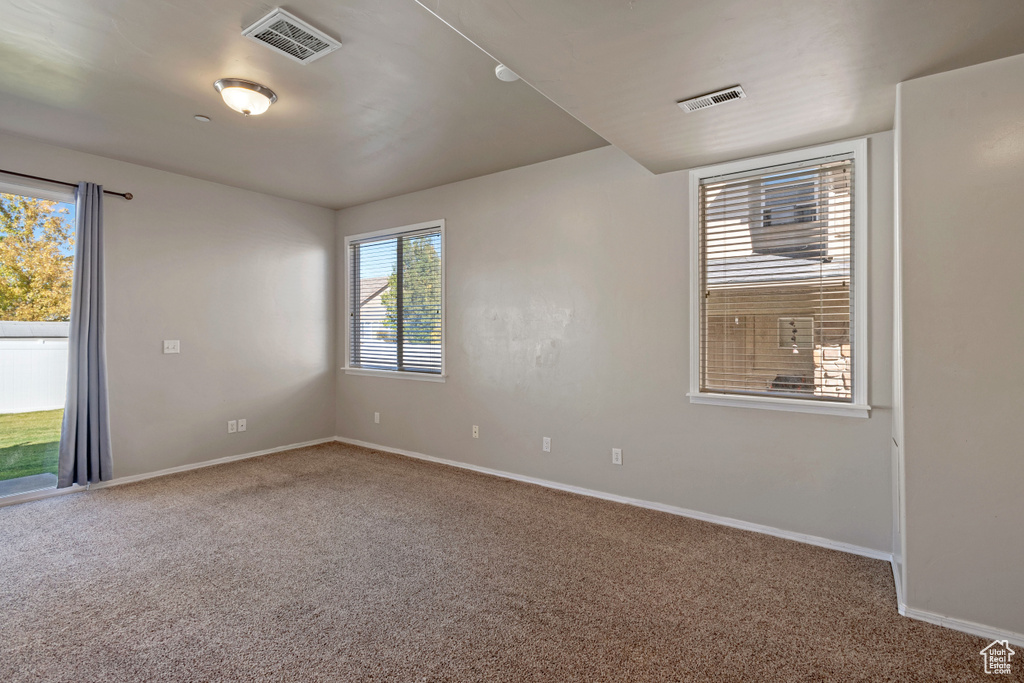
(245, 97)
(505, 74)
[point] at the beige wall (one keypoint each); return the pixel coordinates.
(244, 280)
(961, 180)
(567, 316)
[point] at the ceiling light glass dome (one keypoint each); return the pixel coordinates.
(245, 97)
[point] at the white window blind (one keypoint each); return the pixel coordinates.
(776, 267)
(395, 306)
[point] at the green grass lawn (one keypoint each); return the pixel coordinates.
(28, 443)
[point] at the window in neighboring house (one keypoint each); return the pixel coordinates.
(779, 314)
(396, 302)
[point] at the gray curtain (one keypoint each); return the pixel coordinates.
(85, 434)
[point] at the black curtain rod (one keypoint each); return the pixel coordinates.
(126, 195)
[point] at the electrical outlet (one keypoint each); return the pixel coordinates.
(476, 432)
(232, 426)
(376, 418)
(241, 425)
(616, 456)
(172, 346)
(547, 444)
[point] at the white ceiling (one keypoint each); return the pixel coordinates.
(814, 71)
(405, 104)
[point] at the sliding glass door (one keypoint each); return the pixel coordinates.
(36, 266)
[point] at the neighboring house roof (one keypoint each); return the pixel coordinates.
(371, 287)
(766, 268)
(12, 329)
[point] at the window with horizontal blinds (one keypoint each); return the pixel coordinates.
(395, 306)
(776, 267)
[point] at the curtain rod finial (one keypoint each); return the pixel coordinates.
(128, 196)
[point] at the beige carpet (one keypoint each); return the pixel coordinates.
(336, 563)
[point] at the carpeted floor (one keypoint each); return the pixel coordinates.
(335, 563)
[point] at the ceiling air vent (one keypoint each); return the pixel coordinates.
(291, 36)
(713, 99)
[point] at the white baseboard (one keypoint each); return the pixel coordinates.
(208, 463)
(898, 581)
(671, 509)
(49, 493)
(962, 625)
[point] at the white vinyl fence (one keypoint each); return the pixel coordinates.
(33, 369)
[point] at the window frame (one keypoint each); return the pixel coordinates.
(41, 191)
(858, 407)
(385, 234)
(53, 192)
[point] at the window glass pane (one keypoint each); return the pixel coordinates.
(375, 343)
(396, 306)
(776, 272)
(36, 267)
(421, 303)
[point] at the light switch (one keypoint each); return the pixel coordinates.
(172, 346)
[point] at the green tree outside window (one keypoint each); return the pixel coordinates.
(36, 261)
(421, 295)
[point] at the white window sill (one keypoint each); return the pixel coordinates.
(793, 405)
(394, 374)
